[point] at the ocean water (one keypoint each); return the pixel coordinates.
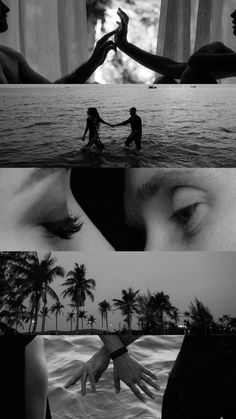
(182, 126)
(66, 353)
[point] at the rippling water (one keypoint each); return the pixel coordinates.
(65, 354)
(182, 126)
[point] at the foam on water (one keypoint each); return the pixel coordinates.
(181, 126)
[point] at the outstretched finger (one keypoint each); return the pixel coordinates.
(147, 372)
(116, 382)
(74, 379)
(92, 380)
(83, 382)
(105, 38)
(137, 393)
(145, 389)
(123, 16)
(150, 382)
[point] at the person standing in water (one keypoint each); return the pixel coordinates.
(136, 129)
(93, 124)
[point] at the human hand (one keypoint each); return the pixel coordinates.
(102, 48)
(132, 373)
(122, 32)
(92, 370)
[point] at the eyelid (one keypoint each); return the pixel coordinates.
(185, 196)
(64, 229)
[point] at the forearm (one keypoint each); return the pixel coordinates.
(159, 64)
(81, 74)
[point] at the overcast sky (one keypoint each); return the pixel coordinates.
(211, 277)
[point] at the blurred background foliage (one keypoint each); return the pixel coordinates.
(143, 29)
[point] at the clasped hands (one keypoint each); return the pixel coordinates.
(126, 369)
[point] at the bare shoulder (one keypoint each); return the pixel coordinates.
(10, 53)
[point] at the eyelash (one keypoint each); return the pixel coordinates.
(176, 217)
(64, 229)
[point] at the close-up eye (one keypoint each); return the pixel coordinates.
(189, 209)
(64, 229)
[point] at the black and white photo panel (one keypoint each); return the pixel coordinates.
(131, 293)
(111, 126)
(59, 209)
(117, 41)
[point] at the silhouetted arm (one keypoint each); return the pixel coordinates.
(105, 123)
(80, 75)
(123, 123)
(162, 65)
(85, 132)
(84, 72)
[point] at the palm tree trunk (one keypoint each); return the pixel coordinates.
(102, 323)
(129, 323)
(77, 319)
(56, 323)
(71, 325)
(107, 322)
(44, 317)
(36, 314)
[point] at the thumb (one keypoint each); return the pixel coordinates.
(116, 381)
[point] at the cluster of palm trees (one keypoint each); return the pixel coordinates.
(26, 286)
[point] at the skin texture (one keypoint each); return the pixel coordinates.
(15, 69)
(126, 369)
(32, 197)
(36, 380)
(183, 209)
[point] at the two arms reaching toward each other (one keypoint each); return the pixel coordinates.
(79, 76)
(126, 369)
(214, 58)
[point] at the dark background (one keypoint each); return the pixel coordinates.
(100, 194)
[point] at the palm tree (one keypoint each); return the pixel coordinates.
(70, 318)
(82, 316)
(91, 321)
(34, 279)
(57, 309)
(160, 305)
(201, 318)
(225, 322)
(44, 314)
(78, 288)
(104, 308)
(127, 305)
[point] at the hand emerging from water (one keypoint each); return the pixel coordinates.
(92, 370)
(103, 46)
(122, 32)
(134, 375)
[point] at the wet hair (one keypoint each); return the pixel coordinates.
(133, 109)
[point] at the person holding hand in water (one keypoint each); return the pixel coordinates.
(209, 63)
(136, 129)
(93, 124)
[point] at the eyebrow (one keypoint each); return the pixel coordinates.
(171, 177)
(37, 175)
(149, 189)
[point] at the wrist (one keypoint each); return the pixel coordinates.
(119, 352)
(123, 45)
